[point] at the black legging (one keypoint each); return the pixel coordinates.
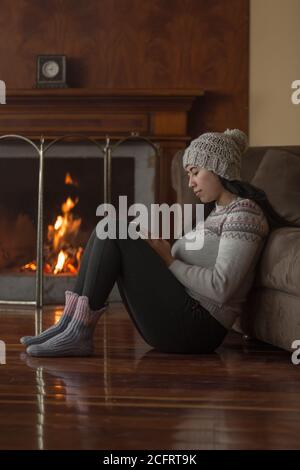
(164, 314)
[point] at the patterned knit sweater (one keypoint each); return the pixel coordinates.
(220, 274)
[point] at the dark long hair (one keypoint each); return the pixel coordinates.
(249, 191)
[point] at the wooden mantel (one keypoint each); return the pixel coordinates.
(160, 115)
(96, 112)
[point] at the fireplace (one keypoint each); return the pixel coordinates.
(159, 115)
(73, 187)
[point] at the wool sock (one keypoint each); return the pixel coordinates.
(70, 306)
(76, 339)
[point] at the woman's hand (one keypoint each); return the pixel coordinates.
(163, 248)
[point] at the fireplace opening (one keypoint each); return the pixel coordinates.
(73, 188)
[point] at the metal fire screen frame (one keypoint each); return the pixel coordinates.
(41, 149)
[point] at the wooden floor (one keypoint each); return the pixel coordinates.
(129, 396)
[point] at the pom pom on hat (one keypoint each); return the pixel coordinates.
(239, 138)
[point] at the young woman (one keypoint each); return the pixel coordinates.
(181, 301)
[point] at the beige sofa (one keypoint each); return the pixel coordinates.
(272, 310)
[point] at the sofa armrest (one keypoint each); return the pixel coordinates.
(279, 266)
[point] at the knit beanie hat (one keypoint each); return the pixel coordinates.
(219, 152)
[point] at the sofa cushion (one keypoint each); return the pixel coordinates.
(279, 266)
(279, 176)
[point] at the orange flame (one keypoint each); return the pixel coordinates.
(29, 266)
(70, 180)
(60, 262)
(61, 236)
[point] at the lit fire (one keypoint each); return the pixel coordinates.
(61, 255)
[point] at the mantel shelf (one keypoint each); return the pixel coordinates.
(104, 92)
(91, 99)
(97, 112)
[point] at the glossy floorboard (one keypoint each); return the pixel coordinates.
(130, 396)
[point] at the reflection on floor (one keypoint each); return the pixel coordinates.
(130, 396)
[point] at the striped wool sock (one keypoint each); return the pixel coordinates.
(61, 325)
(76, 339)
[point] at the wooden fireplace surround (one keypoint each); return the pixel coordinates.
(160, 115)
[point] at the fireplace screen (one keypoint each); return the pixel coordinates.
(73, 188)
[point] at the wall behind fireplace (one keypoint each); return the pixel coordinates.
(137, 44)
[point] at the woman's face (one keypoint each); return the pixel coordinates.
(205, 184)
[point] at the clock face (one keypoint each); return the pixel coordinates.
(50, 69)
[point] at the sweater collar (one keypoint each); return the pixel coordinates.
(219, 207)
